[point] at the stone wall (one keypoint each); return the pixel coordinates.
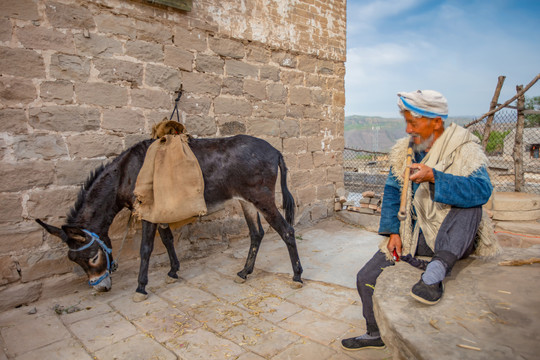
(81, 81)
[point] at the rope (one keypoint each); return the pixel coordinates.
(175, 110)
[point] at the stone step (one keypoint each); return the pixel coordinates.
(517, 234)
(510, 201)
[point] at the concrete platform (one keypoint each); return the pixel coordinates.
(206, 315)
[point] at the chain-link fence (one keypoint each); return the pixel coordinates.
(367, 170)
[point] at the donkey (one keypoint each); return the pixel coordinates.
(241, 167)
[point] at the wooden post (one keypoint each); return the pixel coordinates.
(493, 105)
(518, 143)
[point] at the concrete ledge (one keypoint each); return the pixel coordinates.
(368, 221)
(488, 311)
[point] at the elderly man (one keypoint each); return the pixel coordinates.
(444, 218)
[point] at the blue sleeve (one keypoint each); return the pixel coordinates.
(462, 191)
(389, 223)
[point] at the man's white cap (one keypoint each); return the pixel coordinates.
(427, 103)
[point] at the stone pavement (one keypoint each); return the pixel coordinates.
(206, 315)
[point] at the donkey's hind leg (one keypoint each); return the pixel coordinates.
(147, 246)
(256, 234)
(286, 231)
(168, 240)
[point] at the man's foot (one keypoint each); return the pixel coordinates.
(427, 294)
(365, 341)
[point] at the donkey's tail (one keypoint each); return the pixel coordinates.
(288, 200)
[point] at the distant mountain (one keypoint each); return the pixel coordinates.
(376, 133)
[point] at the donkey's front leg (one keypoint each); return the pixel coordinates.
(147, 246)
(168, 240)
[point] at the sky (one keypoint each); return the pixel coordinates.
(457, 47)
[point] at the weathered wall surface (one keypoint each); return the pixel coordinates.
(81, 81)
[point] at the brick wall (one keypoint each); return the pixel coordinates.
(81, 81)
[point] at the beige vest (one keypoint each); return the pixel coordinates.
(455, 152)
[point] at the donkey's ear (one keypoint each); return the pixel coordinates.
(74, 233)
(53, 230)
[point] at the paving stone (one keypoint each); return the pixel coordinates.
(103, 330)
(135, 310)
(219, 317)
(305, 349)
(32, 333)
(269, 307)
(261, 337)
(315, 326)
(203, 345)
(163, 325)
(185, 296)
(64, 349)
(138, 347)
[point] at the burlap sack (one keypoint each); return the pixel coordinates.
(170, 186)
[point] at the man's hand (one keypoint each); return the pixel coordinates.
(421, 173)
(394, 243)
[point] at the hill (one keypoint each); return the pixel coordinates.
(376, 133)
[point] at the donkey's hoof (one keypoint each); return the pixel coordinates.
(138, 297)
(170, 280)
(239, 280)
(296, 285)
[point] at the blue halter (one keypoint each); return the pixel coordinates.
(110, 266)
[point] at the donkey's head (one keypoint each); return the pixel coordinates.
(87, 250)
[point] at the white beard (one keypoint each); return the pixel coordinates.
(424, 145)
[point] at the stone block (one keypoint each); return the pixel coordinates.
(338, 98)
(20, 9)
(241, 69)
(271, 110)
(325, 67)
(8, 270)
(224, 105)
(101, 94)
(277, 93)
(309, 128)
(145, 51)
(307, 63)
(16, 92)
(124, 120)
(516, 215)
(153, 32)
(162, 76)
(335, 174)
(300, 179)
(178, 58)
(306, 196)
(195, 106)
(258, 54)
(264, 127)
(112, 70)
(19, 294)
(292, 78)
(69, 16)
(39, 37)
(305, 161)
(94, 145)
(300, 96)
(294, 145)
(132, 139)
(39, 146)
(75, 172)
(11, 209)
(255, 90)
(97, 45)
(25, 175)
(232, 128)
(201, 125)
(199, 83)
(285, 59)
(151, 99)
(69, 67)
(5, 29)
(289, 128)
(50, 203)
(318, 177)
(233, 86)
(226, 47)
(59, 92)
(13, 121)
(194, 40)
(209, 64)
(35, 266)
(116, 24)
(64, 118)
(269, 72)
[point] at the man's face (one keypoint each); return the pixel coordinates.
(421, 129)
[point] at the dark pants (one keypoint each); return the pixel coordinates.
(454, 241)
